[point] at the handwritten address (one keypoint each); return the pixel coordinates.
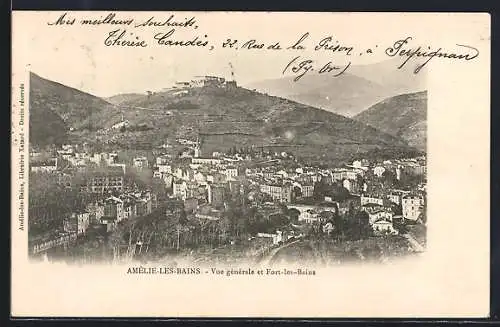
(170, 32)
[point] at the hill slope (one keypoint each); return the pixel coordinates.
(351, 92)
(56, 108)
(221, 117)
(404, 116)
(239, 117)
(123, 98)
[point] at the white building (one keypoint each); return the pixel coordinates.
(381, 214)
(379, 171)
(230, 172)
(277, 237)
(180, 190)
(206, 161)
(162, 160)
(412, 207)
(366, 199)
(307, 190)
(383, 226)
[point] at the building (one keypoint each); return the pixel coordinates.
(111, 158)
(280, 193)
(374, 199)
(396, 196)
(206, 161)
(49, 241)
(163, 160)
(343, 173)
(113, 209)
(312, 213)
(378, 171)
(383, 226)
(230, 172)
(415, 169)
(216, 194)
(129, 207)
(49, 165)
(307, 190)
(377, 213)
(65, 179)
(144, 203)
(105, 181)
(164, 169)
(121, 124)
(96, 211)
(179, 189)
(77, 223)
(276, 237)
(413, 206)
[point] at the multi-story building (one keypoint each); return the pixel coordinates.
(383, 225)
(113, 209)
(49, 165)
(307, 190)
(106, 181)
(162, 160)
(230, 172)
(379, 214)
(179, 189)
(96, 211)
(396, 195)
(78, 222)
(374, 199)
(129, 206)
(312, 213)
(206, 161)
(216, 194)
(280, 193)
(340, 174)
(413, 206)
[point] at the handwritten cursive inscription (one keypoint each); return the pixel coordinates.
(399, 49)
(119, 38)
(165, 39)
(125, 31)
(301, 67)
(169, 22)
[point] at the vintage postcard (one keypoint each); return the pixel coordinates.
(246, 164)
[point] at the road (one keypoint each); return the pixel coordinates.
(270, 256)
(414, 243)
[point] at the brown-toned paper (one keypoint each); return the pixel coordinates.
(237, 164)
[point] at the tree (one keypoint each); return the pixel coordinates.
(326, 215)
(297, 192)
(293, 214)
(320, 189)
(389, 178)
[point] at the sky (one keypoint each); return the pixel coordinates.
(75, 55)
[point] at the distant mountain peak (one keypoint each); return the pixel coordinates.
(351, 92)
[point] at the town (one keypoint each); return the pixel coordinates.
(247, 203)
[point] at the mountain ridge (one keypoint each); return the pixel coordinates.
(404, 116)
(350, 93)
(222, 117)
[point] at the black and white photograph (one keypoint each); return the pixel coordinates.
(319, 169)
(268, 146)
